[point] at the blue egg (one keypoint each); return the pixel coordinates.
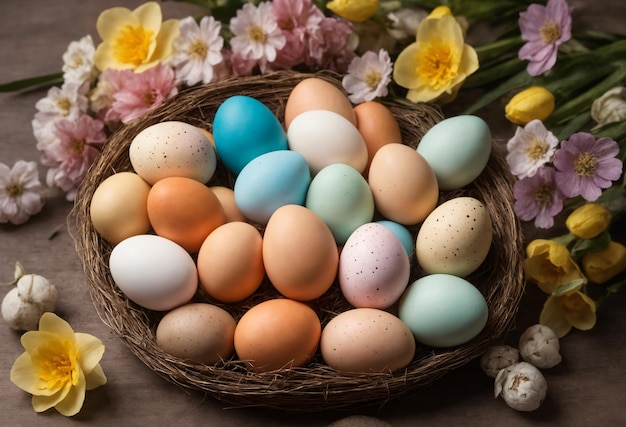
(402, 233)
(457, 149)
(244, 128)
(270, 181)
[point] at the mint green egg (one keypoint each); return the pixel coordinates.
(443, 310)
(457, 149)
(341, 197)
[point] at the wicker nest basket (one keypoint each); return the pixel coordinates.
(316, 386)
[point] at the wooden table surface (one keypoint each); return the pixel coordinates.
(586, 389)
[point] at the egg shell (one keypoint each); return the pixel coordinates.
(365, 340)
(374, 267)
(455, 238)
(226, 196)
(172, 148)
(118, 207)
(325, 137)
(377, 125)
(443, 310)
(342, 198)
(184, 211)
(299, 253)
(197, 332)
(403, 184)
(401, 233)
(317, 94)
(457, 149)
(244, 128)
(270, 181)
(230, 262)
(153, 272)
(277, 333)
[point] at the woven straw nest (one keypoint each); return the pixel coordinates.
(316, 386)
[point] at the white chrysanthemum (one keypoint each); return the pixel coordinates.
(368, 76)
(20, 192)
(257, 34)
(197, 50)
(530, 148)
(78, 64)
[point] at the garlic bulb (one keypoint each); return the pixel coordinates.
(522, 386)
(23, 305)
(498, 357)
(539, 345)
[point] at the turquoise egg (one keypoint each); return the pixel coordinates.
(402, 233)
(457, 149)
(342, 198)
(443, 310)
(244, 128)
(270, 181)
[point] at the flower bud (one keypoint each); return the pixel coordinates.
(354, 10)
(610, 107)
(588, 221)
(439, 11)
(533, 103)
(603, 265)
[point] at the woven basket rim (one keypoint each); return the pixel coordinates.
(316, 386)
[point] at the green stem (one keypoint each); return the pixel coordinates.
(49, 79)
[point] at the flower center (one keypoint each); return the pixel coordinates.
(148, 98)
(585, 164)
(550, 32)
(132, 45)
(64, 105)
(198, 48)
(57, 365)
(536, 150)
(436, 65)
(77, 145)
(372, 78)
(543, 196)
(14, 189)
(256, 34)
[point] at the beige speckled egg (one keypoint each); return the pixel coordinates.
(173, 148)
(455, 238)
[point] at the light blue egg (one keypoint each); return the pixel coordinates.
(402, 233)
(457, 149)
(443, 310)
(270, 181)
(244, 128)
(342, 198)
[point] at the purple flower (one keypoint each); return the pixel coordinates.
(585, 165)
(544, 28)
(538, 197)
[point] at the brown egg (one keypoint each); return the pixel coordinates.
(184, 210)
(317, 94)
(226, 197)
(377, 126)
(277, 333)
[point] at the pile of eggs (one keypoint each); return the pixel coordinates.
(324, 198)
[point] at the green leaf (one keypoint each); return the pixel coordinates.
(582, 246)
(518, 81)
(50, 79)
(568, 287)
(571, 126)
(494, 73)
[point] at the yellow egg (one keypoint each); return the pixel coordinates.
(118, 207)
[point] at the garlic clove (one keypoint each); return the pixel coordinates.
(522, 386)
(539, 345)
(498, 357)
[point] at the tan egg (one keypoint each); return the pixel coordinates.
(226, 197)
(209, 135)
(230, 262)
(314, 93)
(118, 207)
(197, 332)
(403, 184)
(277, 333)
(377, 126)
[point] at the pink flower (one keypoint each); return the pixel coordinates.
(544, 28)
(332, 45)
(537, 197)
(368, 76)
(20, 192)
(77, 146)
(585, 165)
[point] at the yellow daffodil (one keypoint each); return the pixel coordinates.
(58, 366)
(436, 65)
(572, 309)
(602, 266)
(549, 265)
(535, 102)
(354, 10)
(588, 221)
(135, 40)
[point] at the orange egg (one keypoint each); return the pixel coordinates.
(277, 333)
(299, 252)
(184, 211)
(317, 94)
(230, 262)
(377, 126)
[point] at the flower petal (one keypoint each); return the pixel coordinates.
(552, 316)
(163, 47)
(44, 402)
(52, 323)
(405, 69)
(24, 374)
(112, 19)
(149, 16)
(74, 399)
(95, 378)
(580, 311)
(90, 350)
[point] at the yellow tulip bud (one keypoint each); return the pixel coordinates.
(354, 10)
(588, 221)
(438, 12)
(603, 265)
(535, 102)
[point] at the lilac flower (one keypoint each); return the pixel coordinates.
(531, 147)
(544, 28)
(368, 76)
(21, 192)
(538, 197)
(586, 165)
